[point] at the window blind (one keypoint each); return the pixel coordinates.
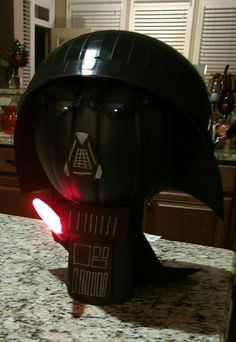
(169, 22)
(218, 39)
(26, 71)
(94, 15)
(96, 20)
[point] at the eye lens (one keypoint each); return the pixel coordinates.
(55, 101)
(56, 107)
(116, 109)
(92, 103)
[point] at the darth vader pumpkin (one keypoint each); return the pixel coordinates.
(109, 119)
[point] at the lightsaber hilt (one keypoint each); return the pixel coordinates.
(102, 252)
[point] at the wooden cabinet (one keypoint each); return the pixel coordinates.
(177, 216)
(12, 201)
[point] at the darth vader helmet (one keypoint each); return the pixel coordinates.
(173, 86)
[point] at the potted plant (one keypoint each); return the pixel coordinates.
(16, 57)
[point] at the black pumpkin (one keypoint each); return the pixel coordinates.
(121, 129)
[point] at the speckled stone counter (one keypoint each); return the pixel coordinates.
(35, 305)
(226, 156)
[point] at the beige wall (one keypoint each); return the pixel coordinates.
(18, 20)
(60, 13)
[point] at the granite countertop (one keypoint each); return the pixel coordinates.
(35, 305)
(225, 156)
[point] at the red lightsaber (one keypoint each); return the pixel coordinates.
(49, 216)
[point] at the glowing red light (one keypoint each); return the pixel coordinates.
(49, 216)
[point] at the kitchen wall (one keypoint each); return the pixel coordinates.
(6, 34)
(60, 13)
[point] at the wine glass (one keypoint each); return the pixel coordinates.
(226, 102)
(214, 89)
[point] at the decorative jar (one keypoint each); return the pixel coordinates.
(8, 118)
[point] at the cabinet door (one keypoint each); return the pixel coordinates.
(7, 161)
(177, 216)
(12, 202)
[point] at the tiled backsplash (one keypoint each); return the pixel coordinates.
(6, 139)
(7, 95)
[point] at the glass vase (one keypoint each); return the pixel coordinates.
(14, 81)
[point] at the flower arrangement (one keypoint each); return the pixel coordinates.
(15, 57)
